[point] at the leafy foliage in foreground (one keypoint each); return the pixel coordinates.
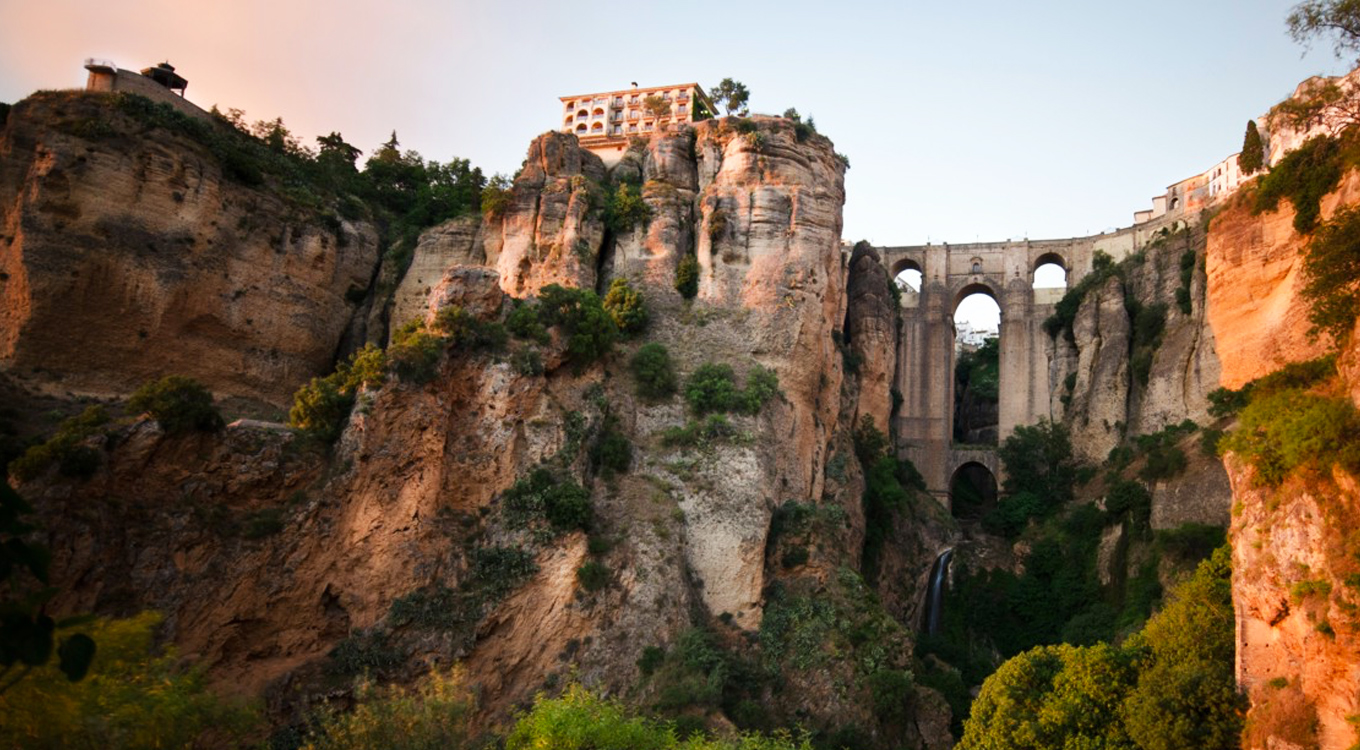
(66, 448)
(433, 715)
(1171, 686)
(581, 720)
(134, 697)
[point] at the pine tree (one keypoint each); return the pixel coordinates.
(1253, 156)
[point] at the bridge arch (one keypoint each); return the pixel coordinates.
(1049, 271)
(974, 287)
(972, 489)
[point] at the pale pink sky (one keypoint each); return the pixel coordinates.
(985, 120)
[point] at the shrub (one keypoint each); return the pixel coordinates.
(590, 331)
(433, 714)
(712, 388)
(592, 576)
(1303, 176)
(1131, 500)
(1293, 428)
(523, 322)
(761, 386)
(414, 352)
(527, 362)
(460, 329)
(134, 696)
(1191, 541)
(542, 495)
(1331, 267)
(652, 657)
(497, 196)
(64, 448)
(652, 370)
(892, 690)
(321, 407)
(178, 404)
(624, 208)
(612, 452)
(699, 433)
(687, 276)
(626, 307)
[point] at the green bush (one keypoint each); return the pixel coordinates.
(135, 696)
(497, 196)
(178, 404)
(612, 453)
(687, 276)
(560, 501)
(1130, 500)
(462, 330)
(523, 322)
(581, 720)
(321, 407)
(624, 208)
(1303, 176)
(64, 448)
(1171, 686)
(1293, 428)
(527, 362)
(593, 575)
(699, 433)
(892, 690)
(1191, 541)
(1065, 312)
(1331, 268)
(589, 330)
(414, 352)
(626, 307)
(712, 388)
(433, 715)
(761, 386)
(652, 370)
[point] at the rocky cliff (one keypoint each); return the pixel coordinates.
(281, 568)
(127, 253)
(1295, 554)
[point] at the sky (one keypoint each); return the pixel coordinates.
(986, 120)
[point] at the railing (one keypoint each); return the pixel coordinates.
(97, 62)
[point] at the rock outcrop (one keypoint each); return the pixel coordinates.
(126, 254)
(414, 493)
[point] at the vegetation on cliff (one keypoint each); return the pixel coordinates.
(1169, 686)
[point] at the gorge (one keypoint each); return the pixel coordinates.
(652, 433)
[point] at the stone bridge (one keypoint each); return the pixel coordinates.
(925, 367)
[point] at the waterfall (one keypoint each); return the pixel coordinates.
(939, 574)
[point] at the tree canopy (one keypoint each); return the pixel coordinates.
(1338, 20)
(1253, 156)
(732, 96)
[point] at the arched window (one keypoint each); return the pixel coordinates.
(581, 128)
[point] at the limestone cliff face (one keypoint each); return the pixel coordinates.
(416, 484)
(126, 255)
(1255, 270)
(1294, 545)
(1099, 398)
(871, 333)
(1294, 592)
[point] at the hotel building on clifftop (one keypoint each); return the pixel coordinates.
(605, 121)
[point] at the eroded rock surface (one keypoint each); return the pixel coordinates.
(126, 255)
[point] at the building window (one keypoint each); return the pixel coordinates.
(632, 128)
(597, 127)
(582, 114)
(618, 130)
(581, 128)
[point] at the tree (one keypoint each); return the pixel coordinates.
(657, 107)
(1339, 19)
(732, 96)
(1253, 156)
(1038, 459)
(1331, 268)
(178, 404)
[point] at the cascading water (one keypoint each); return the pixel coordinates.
(939, 575)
